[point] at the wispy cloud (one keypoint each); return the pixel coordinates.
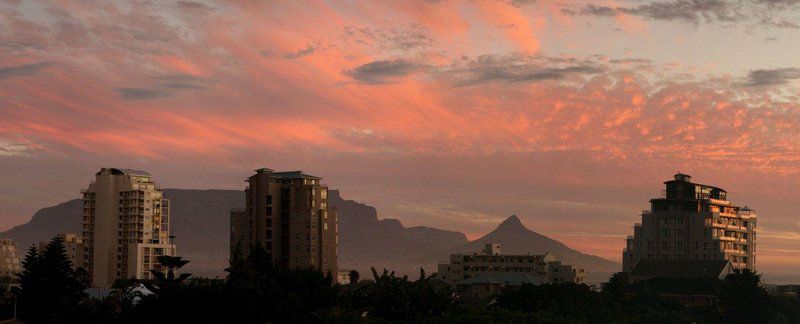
(765, 13)
(514, 69)
(771, 77)
(23, 70)
(134, 94)
(14, 149)
(384, 71)
(405, 38)
(693, 11)
(308, 50)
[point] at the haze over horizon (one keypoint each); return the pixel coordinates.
(450, 114)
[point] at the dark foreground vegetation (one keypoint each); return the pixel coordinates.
(257, 292)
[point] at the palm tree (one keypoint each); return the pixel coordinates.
(170, 263)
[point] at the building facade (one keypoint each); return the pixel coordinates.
(287, 214)
(126, 224)
(490, 265)
(10, 264)
(693, 222)
(73, 246)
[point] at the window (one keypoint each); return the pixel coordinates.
(269, 199)
(269, 210)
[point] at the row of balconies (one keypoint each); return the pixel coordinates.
(733, 251)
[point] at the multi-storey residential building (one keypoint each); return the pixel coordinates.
(287, 214)
(490, 264)
(126, 225)
(73, 246)
(9, 259)
(692, 221)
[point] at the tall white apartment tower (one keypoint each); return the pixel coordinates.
(126, 225)
(692, 221)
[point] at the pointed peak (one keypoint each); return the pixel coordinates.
(512, 221)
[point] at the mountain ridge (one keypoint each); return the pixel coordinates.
(200, 220)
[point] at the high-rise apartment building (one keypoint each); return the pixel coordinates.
(691, 221)
(126, 225)
(9, 259)
(287, 214)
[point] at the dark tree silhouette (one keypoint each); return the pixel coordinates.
(743, 299)
(615, 287)
(394, 298)
(353, 276)
(50, 292)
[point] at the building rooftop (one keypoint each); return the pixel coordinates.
(681, 177)
(679, 268)
(121, 171)
(294, 175)
(287, 174)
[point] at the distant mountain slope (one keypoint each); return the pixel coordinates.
(200, 220)
(365, 241)
(46, 223)
(201, 223)
(515, 238)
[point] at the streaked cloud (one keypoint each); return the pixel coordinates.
(766, 13)
(308, 50)
(23, 70)
(514, 69)
(771, 77)
(141, 93)
(384, 71)
(14, 149)
(693, 11)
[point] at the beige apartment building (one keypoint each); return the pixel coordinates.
(73, 246)
(492, 266)
(9, 259)
(693, 221)
(287, 214)
(126, 225)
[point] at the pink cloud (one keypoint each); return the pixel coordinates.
(243, 79)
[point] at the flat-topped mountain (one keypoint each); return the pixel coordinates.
(200, 220)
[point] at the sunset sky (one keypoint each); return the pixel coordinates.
(451, 114)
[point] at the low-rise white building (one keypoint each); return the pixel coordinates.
(490, 262)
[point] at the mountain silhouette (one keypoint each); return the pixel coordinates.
(515, 238)
(200, 220)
